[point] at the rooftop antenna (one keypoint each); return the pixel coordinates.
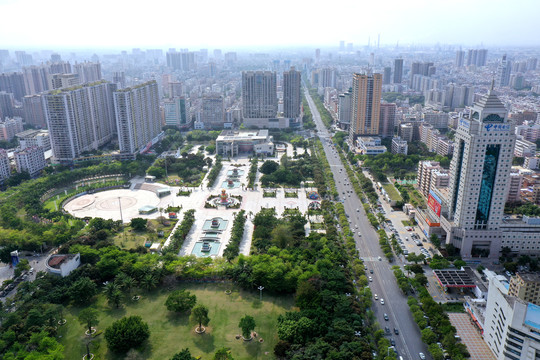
(368, 41)
(378, 39)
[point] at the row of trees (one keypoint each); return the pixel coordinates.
(237, 233)
(181, 232)
(214, 172)
(441, 329)
(252, 172)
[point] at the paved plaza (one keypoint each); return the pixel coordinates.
(107, 204)
(471, 337)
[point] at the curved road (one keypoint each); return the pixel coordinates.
(408, 342)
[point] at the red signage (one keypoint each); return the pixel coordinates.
(434, 205)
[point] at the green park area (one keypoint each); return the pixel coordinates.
(155, 231)
(171, 332)
(392, 192)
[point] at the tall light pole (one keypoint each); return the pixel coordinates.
(261, 288)
(120, 206)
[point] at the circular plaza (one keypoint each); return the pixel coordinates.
(116, 204)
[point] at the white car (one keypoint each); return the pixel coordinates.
(422, 356)
(380, 258)
(370, 279)
(376, 297)
(382, 301)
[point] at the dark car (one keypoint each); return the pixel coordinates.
(371, 271)
(386, 317)
(387, 329)
(393, 342)
(396, 331)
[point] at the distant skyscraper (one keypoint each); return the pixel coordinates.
(477, 57)
(342, 45)
(398, 71)
(327, 77)
(119, 78)
(259, 94)
(387, 76)
(138, 118)
(344, 109)
(479, 171)
(366, 101)
(33, 111)
(387, 119)
(213, 112)
(174, 60)
(6, 105)
(79, 119)
(460, 58)
(35, 79)
(217, 54)
(13, 83)
(176, 88)
(88, 72)
(503, 72)
(317, 55)
(59, 81)
(292, 95)
(23, 59)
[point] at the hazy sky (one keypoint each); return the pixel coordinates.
(54, 24)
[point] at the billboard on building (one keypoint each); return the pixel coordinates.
(434, 203)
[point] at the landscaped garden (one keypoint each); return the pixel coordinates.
(171, 332)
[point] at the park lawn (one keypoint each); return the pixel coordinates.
(392, 192)
(170, 333)
(130, 239)
(50, 203)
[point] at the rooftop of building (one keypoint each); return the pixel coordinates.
(529, 277)
(55, 261)
(454, 278)
(242, 134)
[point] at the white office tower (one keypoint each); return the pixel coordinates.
(503, 72)
(31, 160)
(138, 118)
(479, 172)
(259, 94)
(511, 325)
(79, 119)
(176, 112)
(5, 170)
(292, 96)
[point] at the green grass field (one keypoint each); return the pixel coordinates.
(129, 239)
(171, 332)
(392, 192)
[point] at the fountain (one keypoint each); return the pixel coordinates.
(224, 199)
(230, 183)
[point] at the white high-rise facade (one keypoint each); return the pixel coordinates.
(5, 170)
(138, 118)
(292, 96)
(31, 160)
(259, 94)
(79, 119)
(480, 169)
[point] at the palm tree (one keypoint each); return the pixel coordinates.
(115, 298)
(148, 282)
(110, 288)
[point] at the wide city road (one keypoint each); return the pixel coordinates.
(408, 342)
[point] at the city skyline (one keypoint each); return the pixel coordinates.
(412, 22)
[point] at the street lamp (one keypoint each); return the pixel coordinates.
(261, 288)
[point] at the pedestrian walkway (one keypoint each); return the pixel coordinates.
(471, 337)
